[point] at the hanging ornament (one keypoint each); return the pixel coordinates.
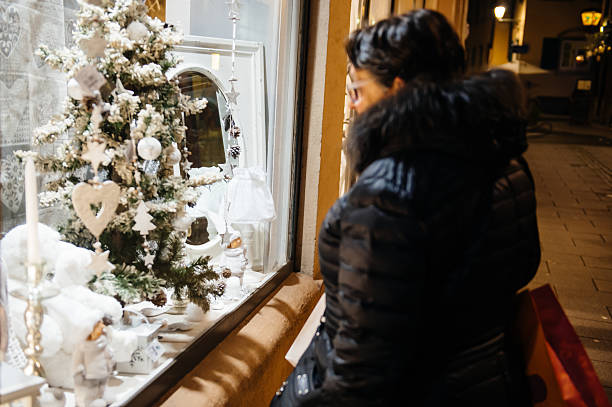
(234, 8)
(105, 195)
(74, 89)
(99, 260)
(90, 79)
(142, 220)
(234, 151)
(137, 31)
(93, 47)
(149, 148)
(100, 112)
(232, 95)
(173, 155)
(148, 259)
(95, 154)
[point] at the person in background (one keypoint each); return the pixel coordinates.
(423, 256)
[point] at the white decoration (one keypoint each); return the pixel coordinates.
(93, 47)
(142, 220)
(232, 289)
(76, 320)
(232, 95)
(84, 195)
(90, 79)
(141, 361)
(97, 115)
(182, 223)
(13, 249)
(104, 303)
(149, 148)
(74, 89)
(194, 313)
(149, 259)
(119, 90)
(51, 333)
(123, 343)
(137, 31)
(173, 155)
(248, 198)
(71, 265)
(95, 154)
(99, 263)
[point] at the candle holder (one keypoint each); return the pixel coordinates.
(33, 319)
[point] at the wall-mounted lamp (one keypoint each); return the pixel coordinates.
(590, 18)
(499, 12)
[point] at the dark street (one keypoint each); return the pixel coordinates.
(572, 166)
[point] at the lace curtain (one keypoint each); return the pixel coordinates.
(30, 92)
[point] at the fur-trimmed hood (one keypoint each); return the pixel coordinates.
(480, 118)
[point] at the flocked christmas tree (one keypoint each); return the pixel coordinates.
(121, 134)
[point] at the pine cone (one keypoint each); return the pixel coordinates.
(227, 273)
(234, 151)
(236, 131)
(160, 299)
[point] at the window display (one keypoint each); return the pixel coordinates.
(156, 164)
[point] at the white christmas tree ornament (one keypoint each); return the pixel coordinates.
(142, 220)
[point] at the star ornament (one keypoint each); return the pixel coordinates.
(234, 8)
(95, 154)
(99, 263)
(232, 96)
(148, 259)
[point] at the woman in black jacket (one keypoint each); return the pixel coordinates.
(421, 259)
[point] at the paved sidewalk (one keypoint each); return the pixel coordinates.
(573, 177)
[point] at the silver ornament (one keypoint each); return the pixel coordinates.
(173, 156)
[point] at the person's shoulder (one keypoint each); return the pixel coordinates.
(387, 183)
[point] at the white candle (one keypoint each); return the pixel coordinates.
(31, 201)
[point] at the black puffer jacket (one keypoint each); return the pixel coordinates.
(422, 257)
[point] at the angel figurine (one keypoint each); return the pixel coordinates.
(92, 365)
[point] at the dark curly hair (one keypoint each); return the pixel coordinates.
(420, 45)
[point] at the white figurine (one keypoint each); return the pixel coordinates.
(92, 365)
(234, 256)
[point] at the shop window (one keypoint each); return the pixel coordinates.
(266, 110)
(572, 55)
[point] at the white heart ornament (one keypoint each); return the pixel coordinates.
(84, 195)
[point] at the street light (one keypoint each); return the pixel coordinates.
(590, 17)
(499, 12)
